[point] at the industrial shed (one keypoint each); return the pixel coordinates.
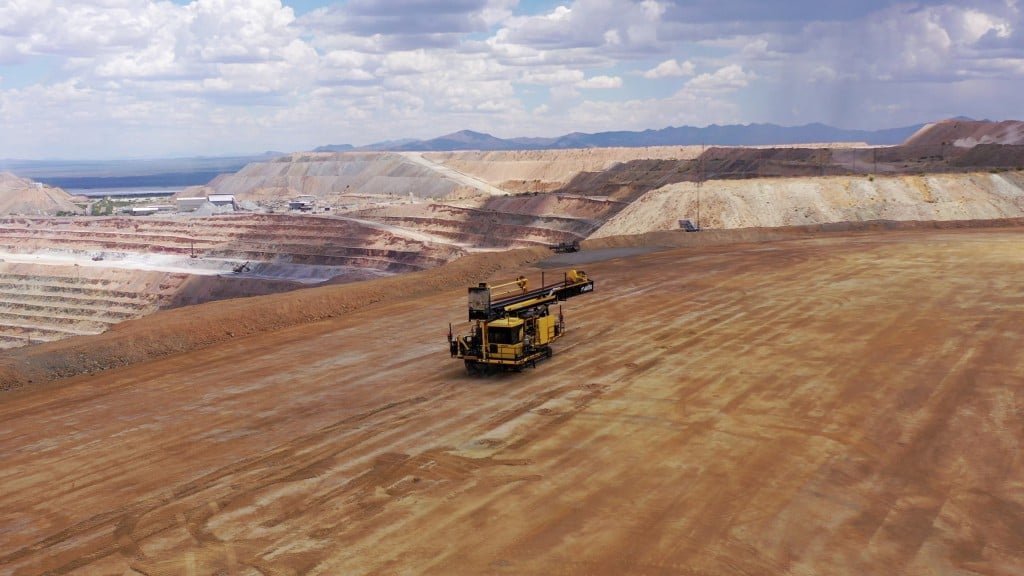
(222, 200)
(190, 204)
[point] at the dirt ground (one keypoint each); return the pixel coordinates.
(843, 404)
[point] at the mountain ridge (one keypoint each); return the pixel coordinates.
(757, 134)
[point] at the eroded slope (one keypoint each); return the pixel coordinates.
(549, 170)
(66, 276)
(47, 303)
(335, 179)
(781, 202)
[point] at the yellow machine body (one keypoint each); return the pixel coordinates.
(512, 327)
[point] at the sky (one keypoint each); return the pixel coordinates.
(108, 79)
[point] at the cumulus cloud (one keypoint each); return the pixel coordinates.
(600, 82)
(84, 29)
(904, 41)
(16, 16)
(410, 62)
(137, 39)
(727, 79)
(976, 25)
(670, 69)
(238, 30)
(619, 25)
(226, 74)
(346, 66)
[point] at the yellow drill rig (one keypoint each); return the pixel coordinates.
(511, 325)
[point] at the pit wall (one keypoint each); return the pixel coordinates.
(44, 303)
(785, 202)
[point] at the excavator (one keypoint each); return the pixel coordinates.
(512, 325)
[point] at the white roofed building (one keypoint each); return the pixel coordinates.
(190, 204)
(222, 200)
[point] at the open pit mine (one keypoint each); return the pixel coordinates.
(790, 360)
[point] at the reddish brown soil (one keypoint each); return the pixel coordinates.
(835, 404)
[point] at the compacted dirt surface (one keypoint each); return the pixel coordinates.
(844, 403)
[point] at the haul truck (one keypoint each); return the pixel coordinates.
(511, 325)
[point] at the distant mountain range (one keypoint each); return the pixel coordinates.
(714, 135)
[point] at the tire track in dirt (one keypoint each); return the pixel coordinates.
(391, 472)
(278, 465)
(897, 508)
(737, 401)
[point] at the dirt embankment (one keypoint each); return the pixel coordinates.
(334, 179)
(722, 237)
(23, 196)
(968, 133)
(548, 170)
(783, 202)
(184, 329)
